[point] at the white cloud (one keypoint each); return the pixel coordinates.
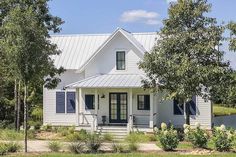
(141, 16)
(168, 1)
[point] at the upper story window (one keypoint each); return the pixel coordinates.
(120, 60)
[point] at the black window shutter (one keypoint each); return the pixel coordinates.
(60, 102)
(178, 108)
(89, 102)
(70, 102)
(192, 108)
(147, 102)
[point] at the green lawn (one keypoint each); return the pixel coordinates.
(160, 154)
(222, 111)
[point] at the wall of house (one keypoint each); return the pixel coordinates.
(105, 61)
(203, 116)
(49, 101)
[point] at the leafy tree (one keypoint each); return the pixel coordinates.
(25, 31)
(232, 28)
(185, 60)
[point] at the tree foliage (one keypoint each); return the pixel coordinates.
(185, 60)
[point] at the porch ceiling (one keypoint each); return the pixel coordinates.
(110, 81)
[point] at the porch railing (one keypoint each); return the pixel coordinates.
(85, 121)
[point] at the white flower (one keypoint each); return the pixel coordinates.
(175, 132)
(186, 131)
(165, 132)
(229, 135)
(218, 128)
(185, 126)
(222, 127)
(155, 129)
(197, 124)
(163, 126)
(205, 135)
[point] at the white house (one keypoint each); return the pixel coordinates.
(102, 85)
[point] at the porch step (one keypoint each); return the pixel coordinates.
(119, 133)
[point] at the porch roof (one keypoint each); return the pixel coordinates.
(110, 81)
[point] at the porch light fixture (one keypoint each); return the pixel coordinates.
(103, 96)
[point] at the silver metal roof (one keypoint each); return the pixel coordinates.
(110, 81)
(77, 49)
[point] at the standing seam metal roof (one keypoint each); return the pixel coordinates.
(77, 49)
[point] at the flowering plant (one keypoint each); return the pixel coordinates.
(168, 137)
(197, 136)
(223, 138)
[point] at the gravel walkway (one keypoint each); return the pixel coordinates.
(42, 146)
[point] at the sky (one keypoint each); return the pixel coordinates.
(104, 16)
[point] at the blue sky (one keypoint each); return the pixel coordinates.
(104, 16)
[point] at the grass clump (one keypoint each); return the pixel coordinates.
(118, 148)
(137, 137)
(108, 137)
(8, 135)
(77, 147)
(55, 146)
(93, 142)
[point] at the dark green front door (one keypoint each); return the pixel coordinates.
(118, 107)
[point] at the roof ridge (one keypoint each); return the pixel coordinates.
(100, 34)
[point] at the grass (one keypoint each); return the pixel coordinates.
(159, 154)
(10, 135)
(222, 111)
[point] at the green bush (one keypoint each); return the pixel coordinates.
(222, 139)
(8, 134)
(77, 136)
(77, 147)
(118, 148)
(13, 147)
(108, 137)
(152, 137)
(197, 136)
(93, 142)
(54, 146)
(137, 137)
(47, 127)
(168, 137)
(36, 124)
(133, 146)
(3, 149)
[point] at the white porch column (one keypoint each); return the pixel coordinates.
(130, 110)
(151, 111)
(77, 106)
(80, 112)
(96, 110)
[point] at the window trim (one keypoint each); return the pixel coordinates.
(65, 93)
(124, 52)
(145, 107)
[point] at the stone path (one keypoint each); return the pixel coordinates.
(42, 146)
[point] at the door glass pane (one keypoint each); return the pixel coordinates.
(113, 106)
(123, 106)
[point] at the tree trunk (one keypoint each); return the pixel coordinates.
(187, 111)
(16, 104)
(18, 107)
(25, 116)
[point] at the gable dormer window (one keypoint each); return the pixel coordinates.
(120, 60)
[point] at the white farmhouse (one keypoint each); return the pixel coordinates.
(102, 86)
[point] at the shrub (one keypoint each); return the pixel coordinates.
(197, 136)
(8, 134)
(133, 146)
(152, 137)
(222, 139)
(77, 136)
(93, 142)
(108, 137)
(168, 137)
(118, 148)
(77, 147)
(47, 127)
(54, 146)
(137, 137)
(3, 149)
(13, 147)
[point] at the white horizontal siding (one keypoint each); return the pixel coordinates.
(166, 114)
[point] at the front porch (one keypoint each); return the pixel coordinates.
(115, 108)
